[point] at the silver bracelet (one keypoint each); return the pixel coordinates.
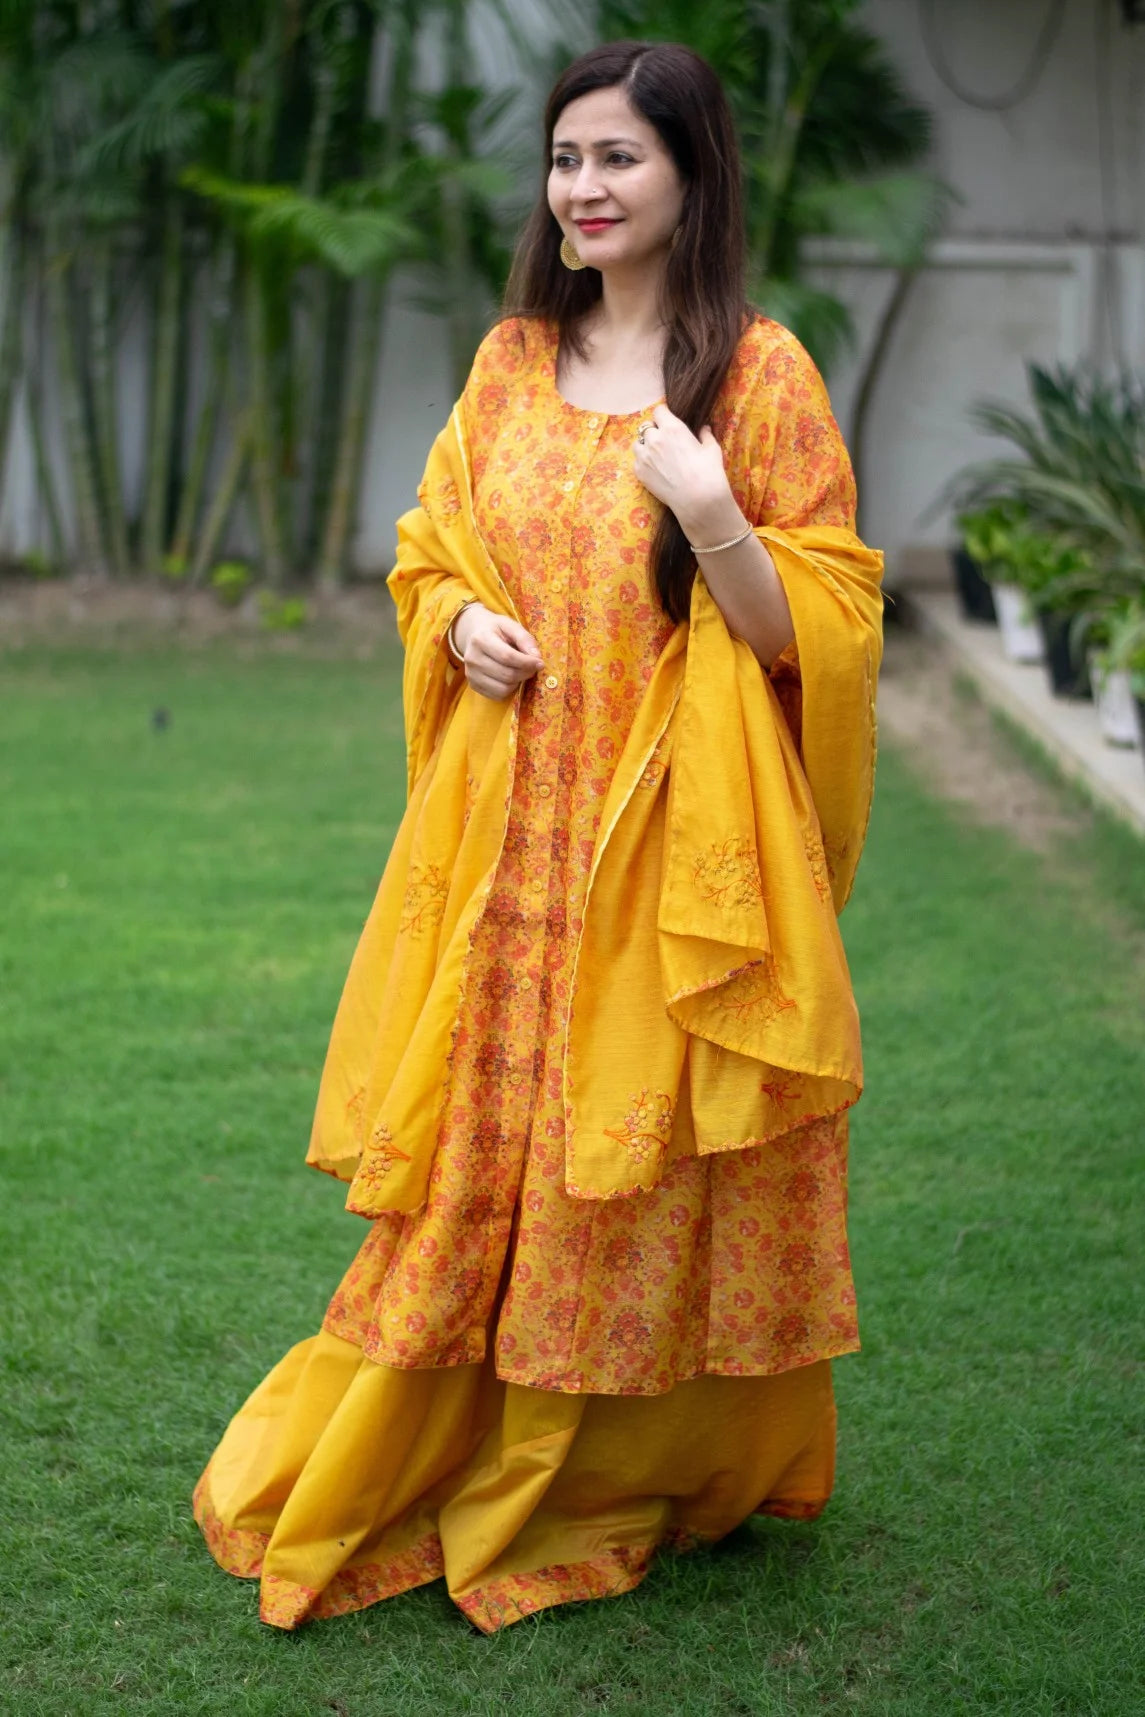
(718, 548)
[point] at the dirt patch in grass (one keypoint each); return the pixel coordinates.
(101, 613)
(953, 743)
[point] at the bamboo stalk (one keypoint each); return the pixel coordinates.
(222, 500)
(164, 368)
(335, 312)
(872, 370)
(106, 416)
(89, 536)
(224, 275)
(311, 353)
(45, 480)
(458, 260)
(362, 348)
(263, 461)
(10, 342)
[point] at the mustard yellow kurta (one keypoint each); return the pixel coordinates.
(363, 1466)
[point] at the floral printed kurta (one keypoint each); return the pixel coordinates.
(734, 1264)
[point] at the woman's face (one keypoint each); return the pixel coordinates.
(613, 186)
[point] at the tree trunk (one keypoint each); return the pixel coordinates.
(89, 536)
(458, 260)
(104, 399)
(311, 353)
(363, 347)
(872, 370)
(164, 366)
(11, 355)
(331, 319)
(368, 304)
(264, 472)
(220, 322)
(222, 500)
(45, 480)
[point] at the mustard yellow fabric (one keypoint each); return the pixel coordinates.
(603, 961)
(341, 1482)
(721, 932)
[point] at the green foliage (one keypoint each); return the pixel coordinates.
(832, 141)
(39, 566)
(1122, 641)
(351, 240)
(282, 613)
(266, 169)
(232, 157)
(1009, 548)
(988, 533)
(1080, 477)
(230, 581)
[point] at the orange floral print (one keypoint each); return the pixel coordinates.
(735, 1262)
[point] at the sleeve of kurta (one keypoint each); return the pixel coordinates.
(803, 507)
(436, 573)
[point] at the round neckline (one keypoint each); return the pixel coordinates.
(550, 368)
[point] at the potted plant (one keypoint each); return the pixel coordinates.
(1058, 581)
(975, 596)
(1117, 650)
(1075, 475)
(992, 537)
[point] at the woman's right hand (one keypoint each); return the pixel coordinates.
(496, 652)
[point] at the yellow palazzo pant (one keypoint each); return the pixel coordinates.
(341, 1482)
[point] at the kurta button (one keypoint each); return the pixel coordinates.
(568, 488)
(552, 682)
(526, 983)
(592, 422)
(544, 790)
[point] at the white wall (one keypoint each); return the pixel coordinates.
(1045, 254)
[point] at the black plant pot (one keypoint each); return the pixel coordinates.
(1069, 676)
(975, 598)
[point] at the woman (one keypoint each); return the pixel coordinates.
(590, 1072)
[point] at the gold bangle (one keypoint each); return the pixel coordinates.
(718, 548)
(457, 658)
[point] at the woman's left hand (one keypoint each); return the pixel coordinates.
(683, 470)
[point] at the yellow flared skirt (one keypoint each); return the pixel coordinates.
(341, 1482)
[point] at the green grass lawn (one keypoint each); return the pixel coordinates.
(179, 907)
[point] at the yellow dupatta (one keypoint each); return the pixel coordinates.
(711, 1005)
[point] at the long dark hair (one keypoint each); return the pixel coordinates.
(679, 93)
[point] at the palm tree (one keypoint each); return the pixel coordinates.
(831, 141)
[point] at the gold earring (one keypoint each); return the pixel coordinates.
(569, 256)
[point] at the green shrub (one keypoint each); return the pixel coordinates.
(282, 613)
(38, 566)
(230, 581)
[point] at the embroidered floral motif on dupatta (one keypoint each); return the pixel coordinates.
(604, 959)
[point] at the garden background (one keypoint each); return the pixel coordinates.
(248, 250)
